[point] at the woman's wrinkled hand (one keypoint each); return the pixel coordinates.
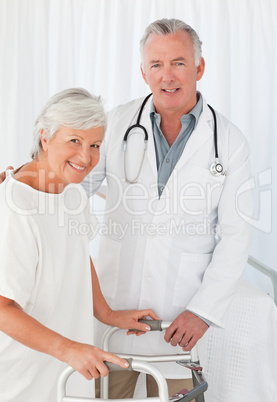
(129, 319)
(89, 360)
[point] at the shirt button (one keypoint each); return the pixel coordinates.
(162, 188)
(167, 160)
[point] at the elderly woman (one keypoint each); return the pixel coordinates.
(46, 274)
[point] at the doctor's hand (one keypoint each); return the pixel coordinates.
(185, 330)
(128, 319)
(3, 174)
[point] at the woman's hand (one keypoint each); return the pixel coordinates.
(86, 359)
(125, 319)
(89, 360)
(128, 319)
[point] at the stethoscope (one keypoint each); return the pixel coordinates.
(216, 167)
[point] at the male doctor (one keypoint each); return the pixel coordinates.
(176, 240)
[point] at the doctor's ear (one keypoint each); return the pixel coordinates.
(200, 69)
(143, 73)
(43, 139)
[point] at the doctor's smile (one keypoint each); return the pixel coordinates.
(171, 91)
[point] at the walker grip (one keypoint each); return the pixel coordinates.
(115, 367)
(155, 325)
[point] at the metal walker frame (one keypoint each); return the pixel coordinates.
(142, 363)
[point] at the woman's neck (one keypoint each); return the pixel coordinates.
(37, 175)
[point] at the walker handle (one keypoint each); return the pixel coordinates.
(156, 325)
(115, 367)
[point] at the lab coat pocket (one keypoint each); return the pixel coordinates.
(189, 277)
(108, 267)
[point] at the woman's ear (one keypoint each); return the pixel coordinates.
(43, 139)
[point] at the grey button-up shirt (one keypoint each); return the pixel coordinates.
(167, 156)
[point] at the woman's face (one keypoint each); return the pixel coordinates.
(71, 154)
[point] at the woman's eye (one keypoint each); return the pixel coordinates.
(95, 146)
(74, 140)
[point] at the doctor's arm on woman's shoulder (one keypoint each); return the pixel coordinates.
(3, 174)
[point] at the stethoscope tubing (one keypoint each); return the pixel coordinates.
(138, 125)
(216, 168)
(215, 132)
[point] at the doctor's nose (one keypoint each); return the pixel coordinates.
(168, 74)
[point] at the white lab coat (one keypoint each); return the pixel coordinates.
(162, 253)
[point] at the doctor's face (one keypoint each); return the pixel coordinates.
(169, 69)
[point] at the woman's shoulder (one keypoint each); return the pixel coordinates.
(16, 198)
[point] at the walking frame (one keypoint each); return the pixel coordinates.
(143, 364)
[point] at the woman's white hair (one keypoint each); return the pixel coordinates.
(75, 108)
(171, 26)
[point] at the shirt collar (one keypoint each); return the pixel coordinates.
(196, 111)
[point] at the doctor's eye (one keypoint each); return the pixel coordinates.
(95, 146)
(74, 140)
(155, 65)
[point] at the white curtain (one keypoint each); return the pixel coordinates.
(49, 45)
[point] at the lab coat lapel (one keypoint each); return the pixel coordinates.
(151, 152)
(202, 132)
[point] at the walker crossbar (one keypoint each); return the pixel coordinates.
(143, 363)
(199, 382)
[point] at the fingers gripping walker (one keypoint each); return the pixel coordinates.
(142, 363)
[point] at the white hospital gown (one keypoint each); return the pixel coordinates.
(45, 268)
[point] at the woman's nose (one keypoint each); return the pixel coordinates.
(85, 155)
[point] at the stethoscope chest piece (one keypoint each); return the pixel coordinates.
(216, 168)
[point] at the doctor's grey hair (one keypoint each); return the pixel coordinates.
(171, 26)
(75, 108)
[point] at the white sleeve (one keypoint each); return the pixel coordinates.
(18, 256)
(223, 274)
